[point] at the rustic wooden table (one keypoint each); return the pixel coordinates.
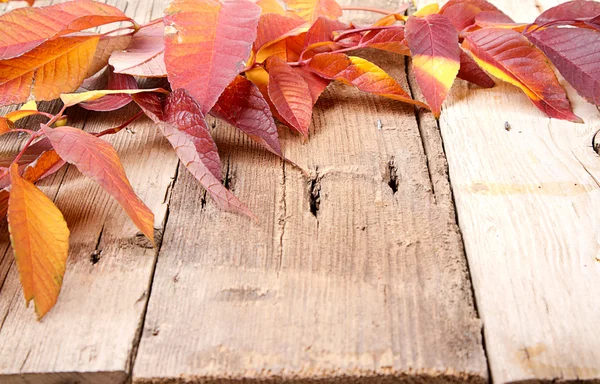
(377, 284)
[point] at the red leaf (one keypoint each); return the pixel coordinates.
(26, 28)
(361, 73)
(568, 12)
(174, 127)
(470, 71)
(462, 12)
(322, 30)
(433, 42)
(181, 111)
(98, 160)
(390, 39)
(204, 57)
(107, 103)
(273, 27)
(290, 94)
(244, 107)
(576, 54)
(145, 55)
(316, 84)
(509, 56)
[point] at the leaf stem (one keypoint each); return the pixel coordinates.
(111, 131)
(32, 136)
(155, 21)
(350, 32)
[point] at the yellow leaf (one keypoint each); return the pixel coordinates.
(71, 99)
(427, 10)
(28, 109)
(40, 240)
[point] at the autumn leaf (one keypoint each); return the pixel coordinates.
(270, 6)
(29, 2)
(57, 66)
(107, 45)
(568, 12)
(27, 109)
(145, 55)
(462, 12)
(116, 81)
(433, 42)
(218, 47)
(290, 95)
(244, 107)
(361, 73)
(509, 56)
(316, 84)
(172, 122)
(389, 39)
(322, 30)
(5, 125)
(310, 10)
(429, 9)
(273, 34)
(470, 71)
(71, 99)
(571, 51)
(260, 77)
(98, 160)
(40, 241)
(23, 29)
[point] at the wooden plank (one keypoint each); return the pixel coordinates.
(528, 202)
(90, 335)
(371, 286)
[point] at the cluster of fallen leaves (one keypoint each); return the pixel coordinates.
(247, 63)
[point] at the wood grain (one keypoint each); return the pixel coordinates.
(528, 200)
(354, 272)
(91, 333)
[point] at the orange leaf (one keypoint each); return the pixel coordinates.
(310, 10)
(433, 42)
(57, 66)
(208, 44)
(290, 94)
(40, 240)
(5, 125)
(361, 73)
(107, 45)
(509, 56)
(98, 160)
(26, 28)
(270, 6)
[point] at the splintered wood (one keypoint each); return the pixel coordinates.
(355, 271)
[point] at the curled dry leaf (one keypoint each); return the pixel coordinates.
(40, 241)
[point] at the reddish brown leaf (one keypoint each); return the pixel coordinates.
(116, 81)
(98, 160)
(568, 12)
(26, 28)
(218, 47)
(361, 73)
(509, 56)
(244, 107)
(181, 111)
(470, 71)
(433, 42)
(462, 12)
(390, 39)
(576, 54)
(310, 10)
(145, 55)
(40, 240)
(172, 123)
(58, 66)
(260, 77)
(273, 27)
(290, 95)
(316, 84)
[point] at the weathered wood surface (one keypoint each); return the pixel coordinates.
(92, 332)
(528, 200)
(371, 286)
